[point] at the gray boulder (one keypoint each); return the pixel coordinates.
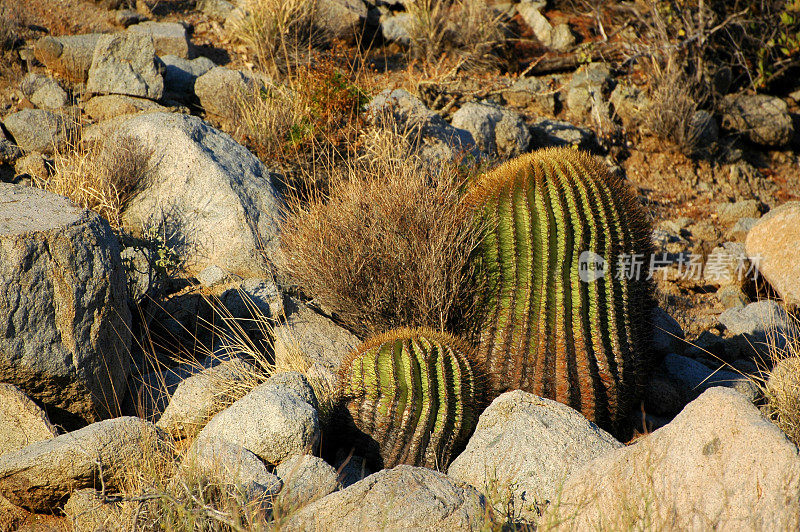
(41, 476)
(403, 498)
(169, 38)
(275, 420)
(218, 197)
(9, 152)
(524, 447)
(629, 104)
(39, 130)
(496, 131)
(342, 18)
(180, 75)
(197, 398)
(587, 90)
(761, 323)
(102, 108)
(394, 27)
(49, 95)
(536, 94)
(761, 118)
(254, 298)
(231, 465)
(22, 422)
(63, 306)
(553, 133)
(125, 63)
(219, 89)
(318, 339)
(305, 479)
(772, 243)
(437, 140)
(87, 509)
(718, 465)
(69, 55)
(694, 378)
(728, 213)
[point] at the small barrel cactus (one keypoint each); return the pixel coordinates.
(409, 396)
(555, 220)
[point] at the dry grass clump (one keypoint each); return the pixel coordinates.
(469, 30)
(101, 175)
(389, 245)
(782, 391)
(280, 34)
(168, 491)
(672, 106)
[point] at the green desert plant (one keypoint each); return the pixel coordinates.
(410, 396)
(549, 217)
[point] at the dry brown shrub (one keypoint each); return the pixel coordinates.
(280, 34)
(101, 175)
(468, 30)
(389, 246)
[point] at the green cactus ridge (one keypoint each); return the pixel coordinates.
(546, 331)
(415, 394)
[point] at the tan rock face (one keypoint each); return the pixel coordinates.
(22, 422)
(41, 476)
(773, 243)
(403, 498)
(64, 317)
(718, 465)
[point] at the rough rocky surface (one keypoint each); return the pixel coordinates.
(230, 464)
(125, 63)
(524, 447)
(39, 129)
(547, 133)
(219, 88)
(439, 141)
(197, 398)
(342, 18)
(63, 306)
(305, 479)
(109, 106)
(403, 498)
(216, 195)
(496, 131)
(169, 38)
(49, 95)
(761, 118)
(9, 152)
(68, 55)
(22, 422)
(705, 470)
(86, 509)
(772, 244)
(275, 420)
(43, 475)
(695, 378)
(180, 75)
(322, 342)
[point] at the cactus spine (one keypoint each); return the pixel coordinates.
(412, 396)
(545, 330)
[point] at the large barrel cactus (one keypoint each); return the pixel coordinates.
(410, 396)
(554, 325)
